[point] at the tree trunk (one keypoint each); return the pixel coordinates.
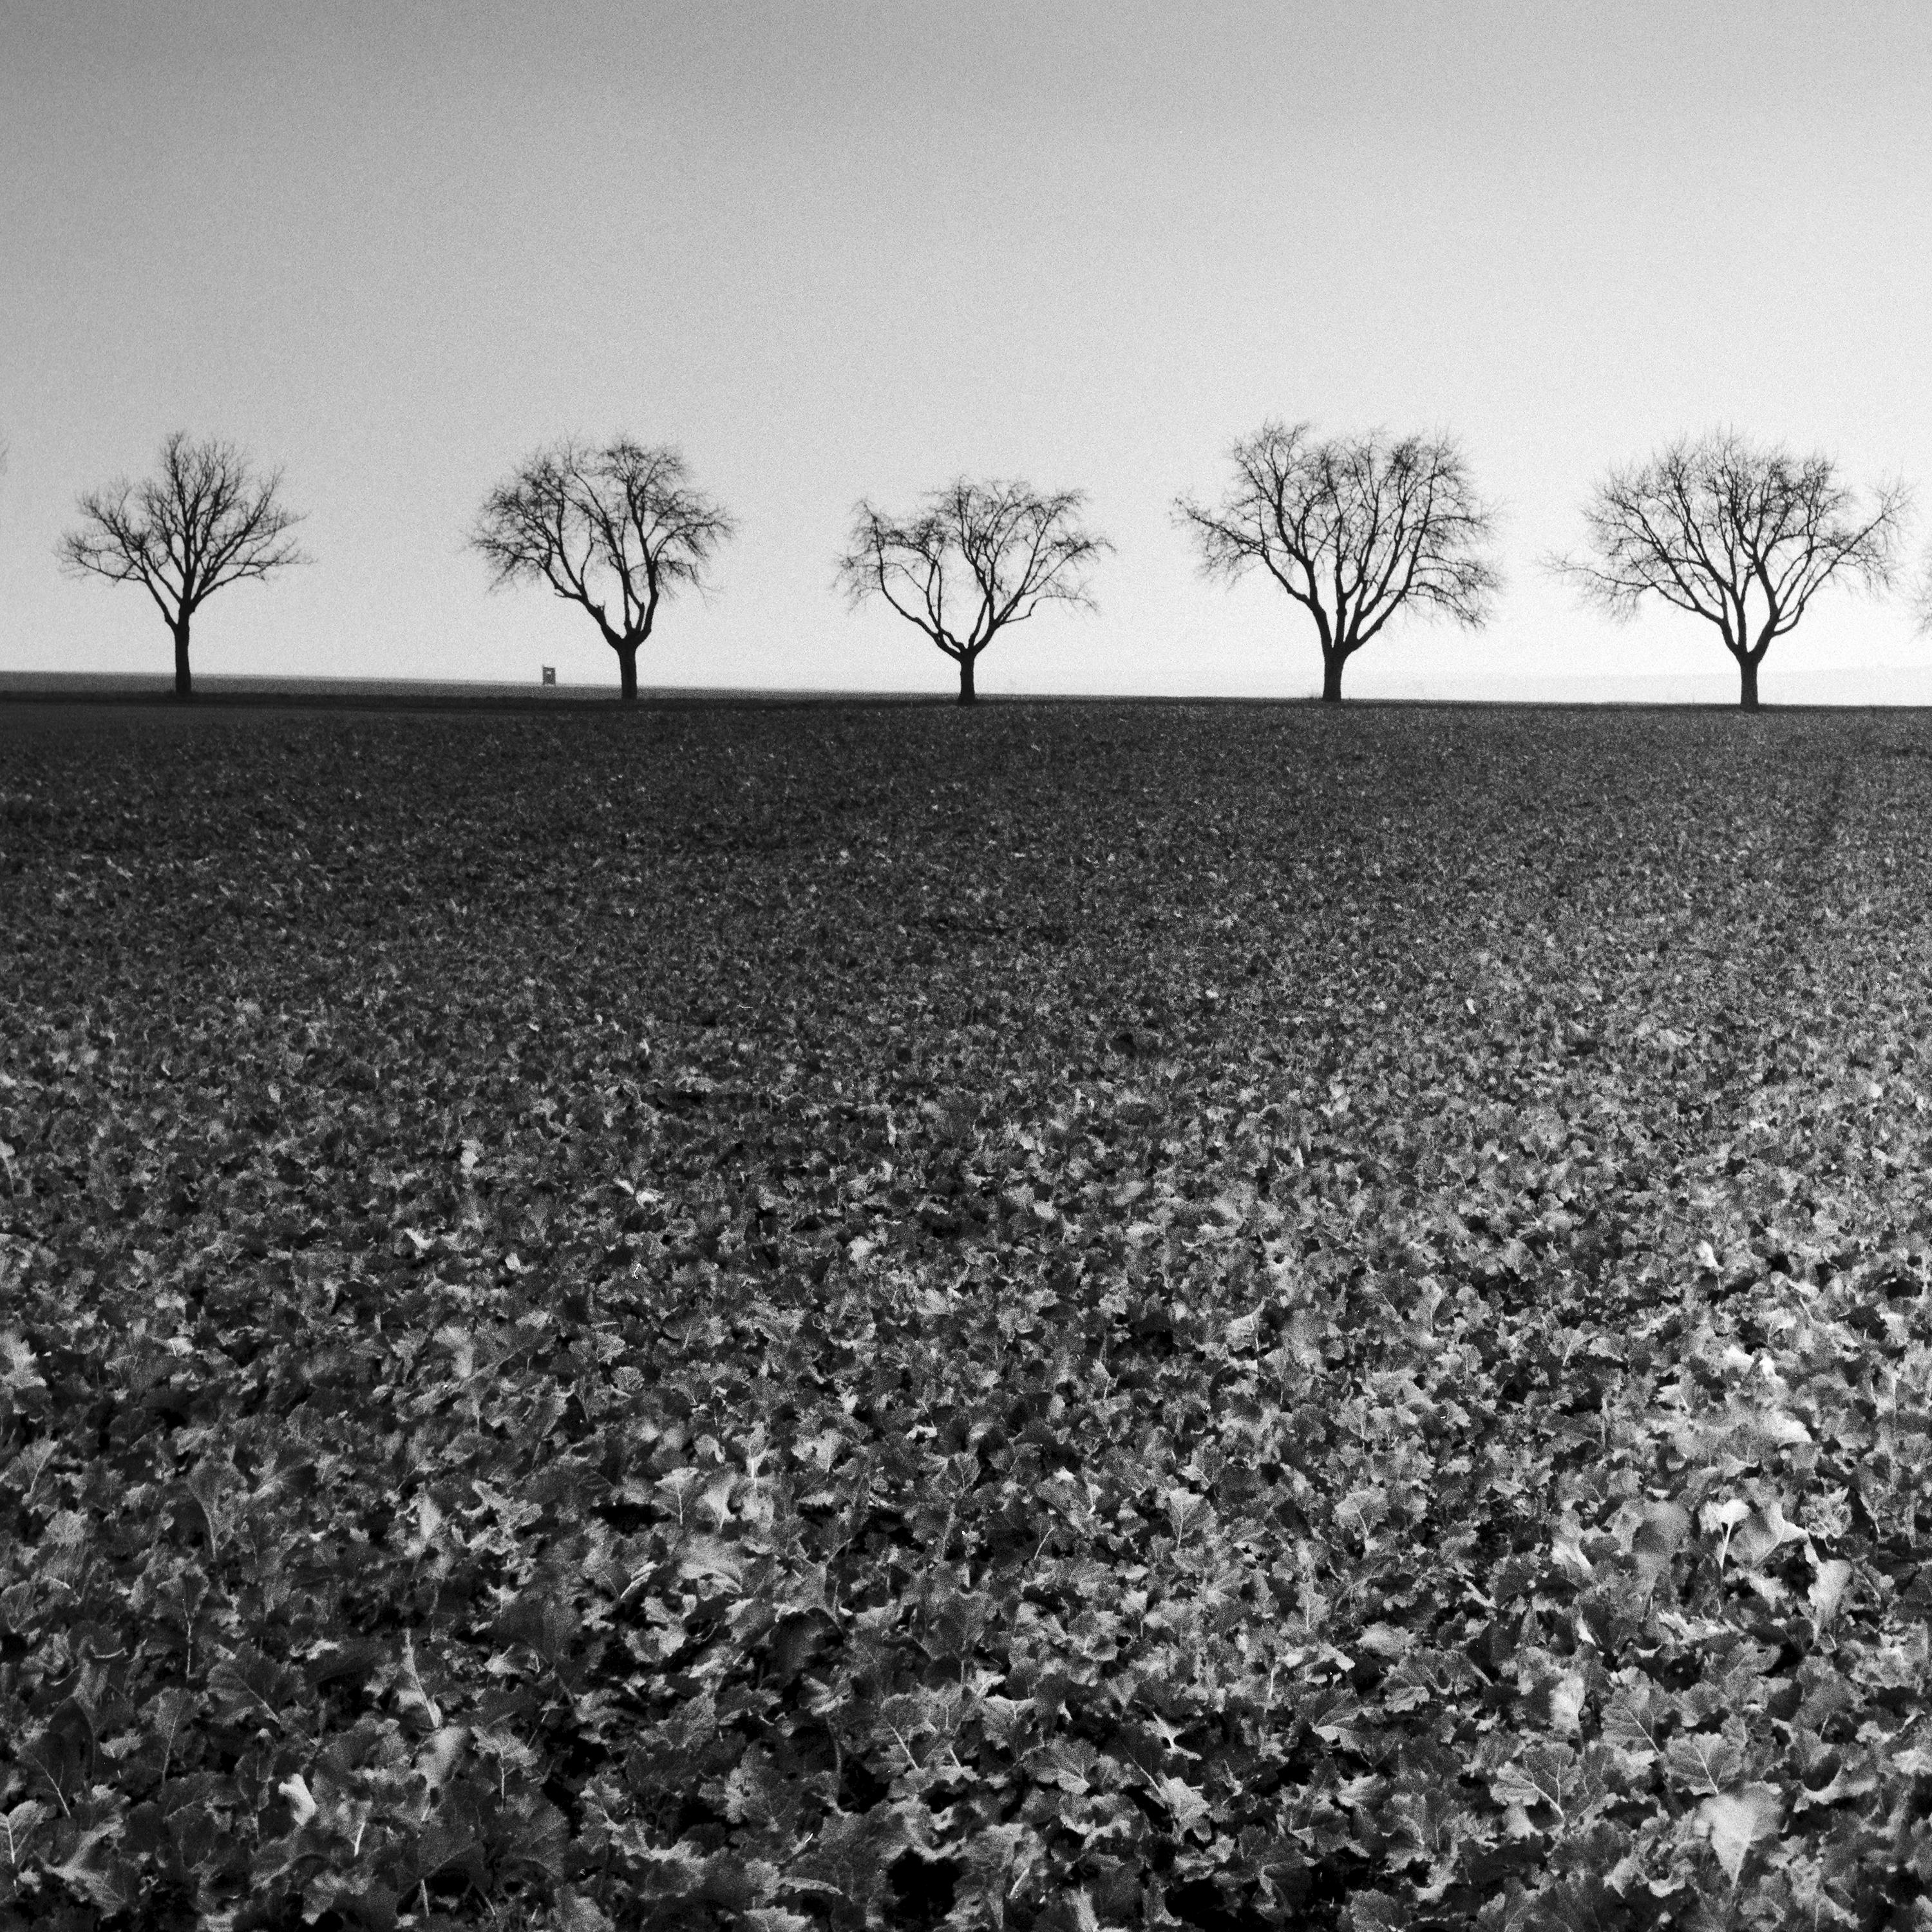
(1331, 677)
(627, 673)
(184, 677)
(1747, 686)
(967, 695)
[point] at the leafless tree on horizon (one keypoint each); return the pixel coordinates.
(205, 519)
(1015, 546)
(1921, 596)
(1741, 534)
(615, 528)
(1354, 528)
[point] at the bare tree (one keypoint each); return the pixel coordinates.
(976, 558)
(1353, 529)
(616, 530)
(1741, 535)
(1921, 596)
(204, 520)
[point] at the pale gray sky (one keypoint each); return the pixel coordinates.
(841, 249)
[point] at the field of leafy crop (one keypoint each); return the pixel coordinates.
(1060, 1317)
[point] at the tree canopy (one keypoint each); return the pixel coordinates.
(1354, 528)
(1742, 534)
(615, 528)
(974, 559)
(204, 519)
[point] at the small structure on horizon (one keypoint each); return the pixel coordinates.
(550, 673)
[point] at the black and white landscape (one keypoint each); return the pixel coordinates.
(819, 1111)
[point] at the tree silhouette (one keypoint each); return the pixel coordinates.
(1921, 596)
(615, 530)
(1353, 529)
(204, 520)
(1742, 535)
(977, 558)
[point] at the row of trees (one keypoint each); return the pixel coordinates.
(1354, 529)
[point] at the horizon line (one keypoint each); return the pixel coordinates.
(227, 688)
